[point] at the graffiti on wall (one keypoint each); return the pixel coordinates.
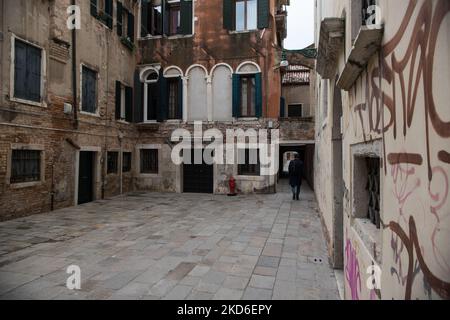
(409, 75)
(352, 272)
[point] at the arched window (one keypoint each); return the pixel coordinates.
(247, 91)
(150, 79)
(197, 93)
(173, 84)
(221, 89)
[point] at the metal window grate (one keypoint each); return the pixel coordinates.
(126, 162)
(249, 164)
(112, 162)
(373, 187)
(26, 166)
(149, 161)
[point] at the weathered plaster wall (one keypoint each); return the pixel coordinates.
(298, 94)
(40, 22)
(401, 100)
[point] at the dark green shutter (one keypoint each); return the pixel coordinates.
(263, 13)
(236, 95)
(118, 99)
(20, 70)
(119, 18)
(163, 99)
(180, 98)
(144, 19)
(258, 95)
(228, 14)
(130, 26)
(129, 104)
(109, 13)
(165, 18)
(138, 111)
(34, 73)
(94, 8)
(186, 16)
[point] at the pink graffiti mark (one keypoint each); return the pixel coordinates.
(352, 272)
(440, 199)
(402, 174)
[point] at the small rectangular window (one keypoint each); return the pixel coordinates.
(295, 110)
(248, 96)
(89, 90)
(248, 162)
(25, 166)
(366, 189)
(149, 161)
(113, 159)
(27, 71)
(126, 161)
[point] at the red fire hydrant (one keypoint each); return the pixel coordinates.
(232, 185)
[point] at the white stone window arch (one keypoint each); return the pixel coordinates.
(148, 76)
(198, 93)
(222, 92)
(172, 72)
(248, 67)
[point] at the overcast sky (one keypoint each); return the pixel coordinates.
(300, 24)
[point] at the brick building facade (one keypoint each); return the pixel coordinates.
(88, 114)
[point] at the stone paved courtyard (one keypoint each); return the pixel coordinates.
(171, 246)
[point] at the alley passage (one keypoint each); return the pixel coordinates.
(171, 246)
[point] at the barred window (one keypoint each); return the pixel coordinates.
(373, 189)
(149, 161)
(248, 162)
(113, 159)
(126, 162)
(25, 166)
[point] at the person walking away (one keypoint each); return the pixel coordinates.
(295, 176)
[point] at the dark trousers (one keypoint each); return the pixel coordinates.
(296, 191)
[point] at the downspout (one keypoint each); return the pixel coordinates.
(74, 74)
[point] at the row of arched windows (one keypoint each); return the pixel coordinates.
(219, 95)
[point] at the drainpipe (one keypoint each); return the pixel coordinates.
(74, 75)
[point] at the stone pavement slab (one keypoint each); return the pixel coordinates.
(171, 246)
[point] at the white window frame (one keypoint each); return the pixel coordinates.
(12, 98)
(97, 105)
(143, 78)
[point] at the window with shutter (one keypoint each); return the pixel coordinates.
(103, 11)
(161, 17)
(27, 71)
(89, 90)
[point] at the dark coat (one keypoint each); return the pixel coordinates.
(295, 172)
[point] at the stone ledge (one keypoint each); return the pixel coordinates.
(366, 45)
